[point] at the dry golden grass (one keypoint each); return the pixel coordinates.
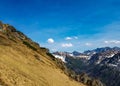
(19, 67)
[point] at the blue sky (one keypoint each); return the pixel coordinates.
(65, 25)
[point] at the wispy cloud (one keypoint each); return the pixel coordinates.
(112, 42)
(66, 45)
(88, 44)
(53, 50)
(68, 38)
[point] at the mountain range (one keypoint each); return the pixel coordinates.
(102, 63)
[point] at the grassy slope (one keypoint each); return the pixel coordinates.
(19, 67)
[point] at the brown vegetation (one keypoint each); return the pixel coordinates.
(21, 65)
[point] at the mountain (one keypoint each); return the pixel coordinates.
(102, 54)
(101, 63)
(74, 54)
(113, 61)
(103, 49)
(24, 63)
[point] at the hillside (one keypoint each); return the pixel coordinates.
(24, 63)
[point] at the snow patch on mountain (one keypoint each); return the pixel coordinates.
(71, 54)
(110, 56)
(112, 65)
(60, 57)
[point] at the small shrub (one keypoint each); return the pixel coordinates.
(45, 50)
(12, 39)
(29, 45)
(37, 57)
(51, 56)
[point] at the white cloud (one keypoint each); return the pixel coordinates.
(68, 38)
(88, 44)
(112, 42)
(50, 40)
(67, 45)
